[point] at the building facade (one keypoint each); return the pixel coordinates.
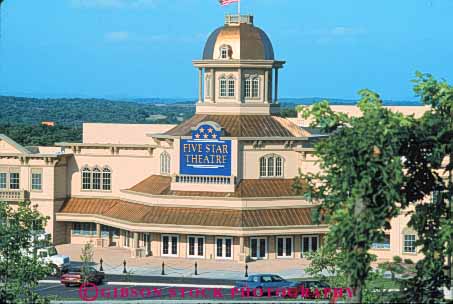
(218, 186)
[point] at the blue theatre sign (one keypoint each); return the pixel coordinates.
(205, 153)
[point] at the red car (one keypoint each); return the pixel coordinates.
(76, 276)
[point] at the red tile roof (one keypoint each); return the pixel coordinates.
(247, 188)
(243, 126)
(143, 214)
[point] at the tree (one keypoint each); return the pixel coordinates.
(20, 268)
(87, 260)
(432, 219)
(361, 184)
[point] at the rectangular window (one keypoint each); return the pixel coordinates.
(36, 181)
(86, 229)
(284, 247)
(270, 166)
(169, 245)
(14, 181)
(258, 248)
(278, 167)
(3, 180)
(383, 245)
(223, 88)
(247, 88)
(409, 243)
(231, 88)
(224, 248)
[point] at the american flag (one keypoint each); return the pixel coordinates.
(227, 2)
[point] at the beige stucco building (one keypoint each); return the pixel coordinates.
(218, 186)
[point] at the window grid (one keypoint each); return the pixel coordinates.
(36, 181)
(223, 87)
(409, 243)
(165, 163)
(271, 166)
(106, 179)
(14, 181)
(208, 86)
(231, 88)
(224, 53)
(256, 87)
(96, 179)
(3, 180)
(247, 88)
(383, 245)
(84, 229)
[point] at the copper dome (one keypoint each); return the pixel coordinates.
(244, 40)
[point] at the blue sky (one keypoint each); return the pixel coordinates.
(144, 48)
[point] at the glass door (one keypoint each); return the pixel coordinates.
(258, 248)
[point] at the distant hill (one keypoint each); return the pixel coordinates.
(336, 101)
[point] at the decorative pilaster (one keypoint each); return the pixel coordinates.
(200, 85)
(240, 86)
(276, 86)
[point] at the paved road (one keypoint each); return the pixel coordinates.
(145, 288)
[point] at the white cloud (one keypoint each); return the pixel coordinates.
(116, 36)
(113, 3)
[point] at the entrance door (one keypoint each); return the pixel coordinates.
(310, 243)
(195, 248)
(224, 248)
(258, 248)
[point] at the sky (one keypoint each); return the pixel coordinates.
(145, 48)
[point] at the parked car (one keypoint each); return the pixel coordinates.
(265, 281)
(313, 285)
(77, 276)
(49, 255)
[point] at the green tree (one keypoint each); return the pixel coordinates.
(20, 268)
(87, 260)
(361, 184)
(432, 218)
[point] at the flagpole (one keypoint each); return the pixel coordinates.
(239, 8)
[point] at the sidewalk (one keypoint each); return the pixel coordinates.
(178, 267)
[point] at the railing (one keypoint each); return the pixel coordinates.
(12, 195)
(236, 19)
(213, 180)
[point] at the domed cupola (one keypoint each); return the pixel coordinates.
(238, 73)
(238, 40)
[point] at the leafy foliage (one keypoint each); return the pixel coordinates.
(87, 260)
(20, 268)
(361, 180)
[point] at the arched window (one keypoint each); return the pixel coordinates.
(86, 179)
(97, 179)
(165, 163)
(106, 179)
(271, 166)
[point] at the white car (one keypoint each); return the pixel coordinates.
(50, 256)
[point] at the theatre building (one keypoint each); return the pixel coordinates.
(218, 186)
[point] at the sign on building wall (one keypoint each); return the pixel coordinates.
(206, 153)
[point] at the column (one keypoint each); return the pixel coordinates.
(200, 85)
(98, 231)
(266, 86)
(276, 86)
(213, 82)
(240, 84)
(136, 240)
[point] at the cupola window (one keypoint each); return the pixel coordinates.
(252, 87)
(225, 52)
(227, 87)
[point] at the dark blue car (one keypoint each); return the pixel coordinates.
(265, 281)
